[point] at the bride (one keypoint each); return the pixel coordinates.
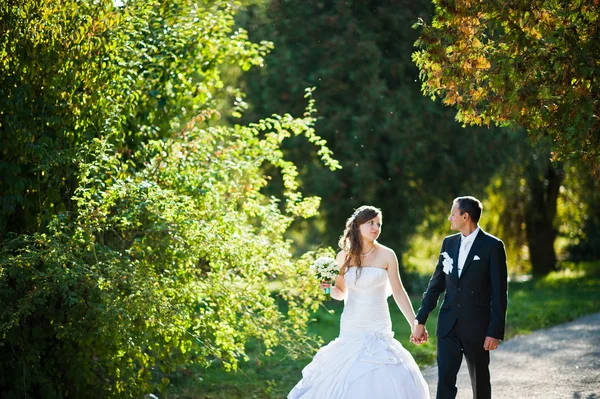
(365, 361)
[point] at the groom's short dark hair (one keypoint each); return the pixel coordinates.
(471, 205)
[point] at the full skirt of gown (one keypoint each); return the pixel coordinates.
(365, 361)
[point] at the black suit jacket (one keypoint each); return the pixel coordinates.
(478, 299)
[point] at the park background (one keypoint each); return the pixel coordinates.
(170, 170)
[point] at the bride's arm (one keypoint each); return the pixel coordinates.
(400, 295)
(339, 290)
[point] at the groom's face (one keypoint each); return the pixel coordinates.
(457, 221)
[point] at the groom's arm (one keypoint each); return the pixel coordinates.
(436, 286)
(499, 286)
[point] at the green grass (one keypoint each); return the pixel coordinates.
(534, 304)
(558, 298)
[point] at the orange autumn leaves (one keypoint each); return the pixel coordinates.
(520, 63)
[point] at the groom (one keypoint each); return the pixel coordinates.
(472, 271)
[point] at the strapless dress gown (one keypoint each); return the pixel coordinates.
(365, 361)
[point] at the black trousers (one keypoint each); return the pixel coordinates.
(450, 351)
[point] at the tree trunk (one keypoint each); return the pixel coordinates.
(544, 180)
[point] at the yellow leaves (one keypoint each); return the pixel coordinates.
(535, 34)
(477, 94)
(487, 120)
(532, 31)
(467, 30)
(450, 99)
(482, 63)
(466, 66)
(469, 117)
(552, 107)
(544, 16)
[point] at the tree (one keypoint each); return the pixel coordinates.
(516, 63)
(544, 180)
(522, 202)
(149, 242)
(581, 213)
(398, 150)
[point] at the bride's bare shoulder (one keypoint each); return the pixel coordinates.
(385, 250)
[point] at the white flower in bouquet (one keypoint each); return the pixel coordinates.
(325, 268)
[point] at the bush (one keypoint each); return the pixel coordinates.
(152, 244)
(165, 267)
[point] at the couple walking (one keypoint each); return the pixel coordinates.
(365, 361)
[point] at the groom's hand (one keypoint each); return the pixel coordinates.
(490, 343)
(419, 335)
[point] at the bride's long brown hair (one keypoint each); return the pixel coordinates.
(350, 241)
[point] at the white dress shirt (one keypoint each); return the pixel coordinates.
(465, 247)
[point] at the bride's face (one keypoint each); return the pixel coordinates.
(370, 230)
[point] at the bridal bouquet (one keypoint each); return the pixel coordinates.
(326, 269)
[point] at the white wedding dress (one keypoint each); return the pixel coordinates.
(365, 361)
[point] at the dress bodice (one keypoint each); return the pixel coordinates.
(366, 309)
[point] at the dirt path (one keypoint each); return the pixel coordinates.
(560, 362)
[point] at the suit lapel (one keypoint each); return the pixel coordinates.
(454, 254)
(473, 251)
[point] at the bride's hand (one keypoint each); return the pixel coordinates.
(419, 335)
(325, 284)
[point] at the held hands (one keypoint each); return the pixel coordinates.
(419, 335)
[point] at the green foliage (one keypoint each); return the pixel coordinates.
(166, 266)
(518, 63)
(74, 71)
(508, 198)
(181, 49)
(59, 87)
(532, 195)
(523, 198)
(580, 214)
(557, 298)
(156, 243)
(398, 150)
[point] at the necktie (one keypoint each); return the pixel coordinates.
(466, 247)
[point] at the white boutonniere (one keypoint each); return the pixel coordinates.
(447, 262)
